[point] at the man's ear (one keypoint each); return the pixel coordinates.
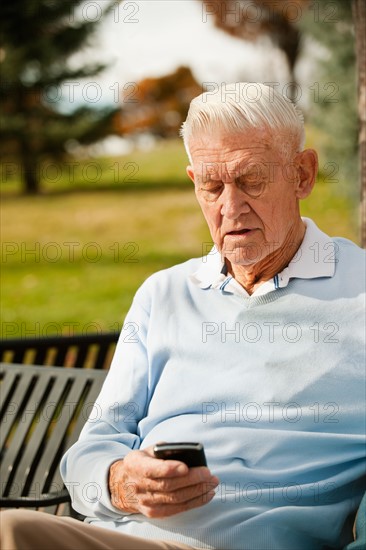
(190, 172)
(308, 170)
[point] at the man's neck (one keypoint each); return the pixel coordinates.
(252, 276)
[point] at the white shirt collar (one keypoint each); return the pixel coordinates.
(314, 258)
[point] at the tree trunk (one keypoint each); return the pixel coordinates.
(359, 17)
(28, 150)
(30, 170)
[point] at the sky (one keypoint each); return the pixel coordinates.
(158, 35)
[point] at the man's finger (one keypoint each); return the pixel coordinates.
(168, 484)
(180, 496)
(141, 464)
(166, 510)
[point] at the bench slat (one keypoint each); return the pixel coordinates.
(52, 407)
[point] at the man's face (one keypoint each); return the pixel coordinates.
(248, 193)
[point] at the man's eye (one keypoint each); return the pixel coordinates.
(211, 192)
(252, 188)
(212, 188)
(216, 189)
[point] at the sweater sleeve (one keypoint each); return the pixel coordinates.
(111, 431)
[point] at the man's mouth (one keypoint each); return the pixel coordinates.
(239, 232)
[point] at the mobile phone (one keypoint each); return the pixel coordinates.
(191, 454)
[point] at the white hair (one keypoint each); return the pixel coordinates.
(241, 106)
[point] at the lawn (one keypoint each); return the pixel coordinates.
(73, 257)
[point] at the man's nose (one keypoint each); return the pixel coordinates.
(234, 202)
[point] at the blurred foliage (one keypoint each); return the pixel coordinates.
(334, 93)
(159, 105)
(37, 37)
(251, 20)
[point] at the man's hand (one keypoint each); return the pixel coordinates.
(143, 484)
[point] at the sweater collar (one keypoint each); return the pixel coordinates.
(314, 258)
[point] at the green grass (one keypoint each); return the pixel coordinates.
(73, 257)
(118, 239)
(161, 167)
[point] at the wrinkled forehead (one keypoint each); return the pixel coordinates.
(245, 148)
(228, 156)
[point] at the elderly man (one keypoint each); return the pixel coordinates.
(256, 350)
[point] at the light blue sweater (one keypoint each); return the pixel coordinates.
(273, 385)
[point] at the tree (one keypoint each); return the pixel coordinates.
(359, 18)
(159, 105)
(250, 20)
(37, 38)
(333, 94)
